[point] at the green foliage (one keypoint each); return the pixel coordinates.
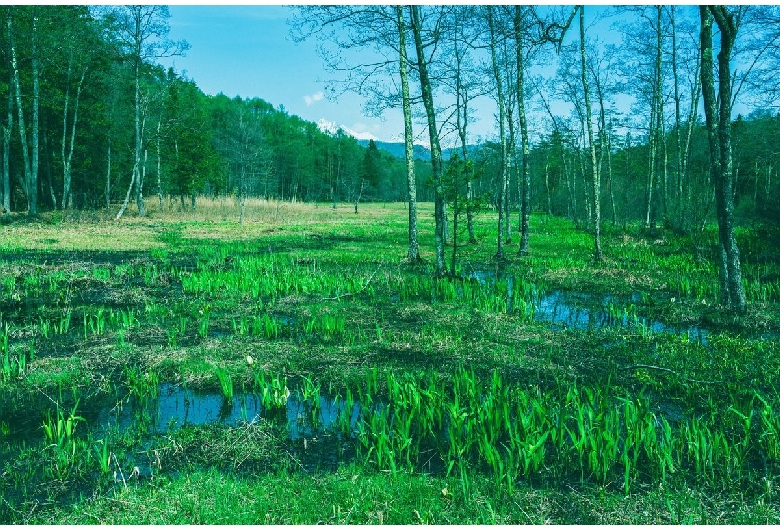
(142, 384)
(370, 166)
(195, 162)
(225, 383)
(68, 451)
(272, 389)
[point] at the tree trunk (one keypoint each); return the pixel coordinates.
(664, 177)
(627, 181)
(159, 166)
(48, 169)
(502, 186)
(609, 176)
(725, 192)
(512, 154)
(692, 118)
(677, 123)
(7, 130)
(127, 196)
(595, 170)
(572, 180)
(586, 188)
(711, 118)
(413, 253)
(461, 124)
(137, 179)
(108, 176)
(445, 227)
(525, 204)
(30, 190)
(655, 129)
(143, 172)
(454, 234)
(547, 187)
(33, 184)
(433, 132)
(359, 195)
(67, 160)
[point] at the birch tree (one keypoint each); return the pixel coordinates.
(413, 254)
(381, 31)
(143, 31)
(525, 204)
(8, 129)
(499, 83)
(30, 151)
(77, 44)
(595, 170)
(467, 86)
(426, 89)
(717, 110)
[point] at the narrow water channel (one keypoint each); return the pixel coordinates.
(586, 311)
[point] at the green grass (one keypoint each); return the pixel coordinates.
(565, 426)
(353, 495)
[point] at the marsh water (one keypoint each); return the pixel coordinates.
(316, 433)
(586, 311)
(174, 406)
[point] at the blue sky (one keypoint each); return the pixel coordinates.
(246, 50)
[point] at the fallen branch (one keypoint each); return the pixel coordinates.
(664, 369)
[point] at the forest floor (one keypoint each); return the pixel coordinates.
(181, 368)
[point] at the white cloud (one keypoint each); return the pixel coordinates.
(317, 96)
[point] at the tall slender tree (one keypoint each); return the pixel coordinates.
(413, 254)
(595, 171)
(525, 203)
(30, 151)
(143, 31)
(504, 175)
(426, 89)
(8, 127)
(382, 28)
(717, 111)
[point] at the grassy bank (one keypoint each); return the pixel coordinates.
(542, 389)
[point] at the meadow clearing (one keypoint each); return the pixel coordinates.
(180, 368)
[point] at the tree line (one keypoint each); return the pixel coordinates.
(93, 121)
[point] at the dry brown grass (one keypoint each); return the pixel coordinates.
(212, 219)
(270, 212)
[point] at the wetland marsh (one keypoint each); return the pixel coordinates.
(297, 370)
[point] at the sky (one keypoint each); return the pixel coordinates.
(246, 51)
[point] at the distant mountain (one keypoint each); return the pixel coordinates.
(331, 127)
(421, 152)
(397, 149)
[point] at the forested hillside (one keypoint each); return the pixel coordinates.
(91, 119)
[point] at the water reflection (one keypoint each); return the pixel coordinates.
(585, 311)
(176, 406)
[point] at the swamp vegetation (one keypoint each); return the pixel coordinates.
(296, 369)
